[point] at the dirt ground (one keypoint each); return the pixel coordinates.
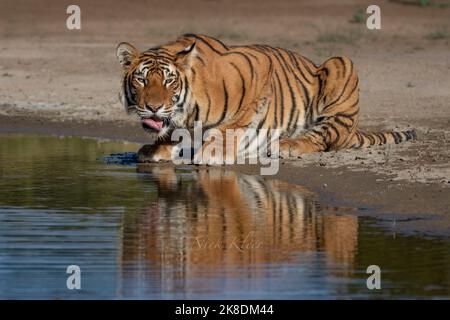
(60, 81)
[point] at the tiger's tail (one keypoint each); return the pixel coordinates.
(362, 139)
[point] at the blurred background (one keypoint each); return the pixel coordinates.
(73, 74)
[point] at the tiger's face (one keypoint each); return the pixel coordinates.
(154, 87)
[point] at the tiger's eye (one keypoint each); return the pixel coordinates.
(168, 81)
(140, 80)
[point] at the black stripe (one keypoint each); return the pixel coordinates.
(269, 58)
(201, 60)
(309, 61)
(296, 118)
(219, 42)
(186, 88)
(304, 90)
(196, 112)
(209, 106)
(360, 139)
(225, 106)
(382, 138)
(376, 137)
(346, 115)
(293, 99)
(261, 123)
(243, 86)
(281, 105)
(397, 137)
(410, 134)
(129, 92)
(291, 92)
(338, 135)
(203, 41)
(345, 125)
(253, 56)
(275, 102)
(369, 136)
(345, 85)
(295, 62)
(249, 62)
(302, 60)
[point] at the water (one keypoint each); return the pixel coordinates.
(188, 233)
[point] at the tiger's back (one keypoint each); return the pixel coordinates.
(273, 88)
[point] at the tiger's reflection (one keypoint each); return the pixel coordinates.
(220, 220)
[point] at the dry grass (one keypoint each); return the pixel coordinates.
(349, 36)
(440, 33)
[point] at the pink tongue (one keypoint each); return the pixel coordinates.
(154, 124)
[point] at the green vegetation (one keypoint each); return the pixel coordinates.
(359, 16)
(439, 34)
(429, 3)
(424, 3)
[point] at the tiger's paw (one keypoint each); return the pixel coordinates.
(290, 148)
(155, 153)
(285, 149)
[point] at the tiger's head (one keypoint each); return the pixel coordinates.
(155, 85)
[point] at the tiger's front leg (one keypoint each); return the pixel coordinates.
(212, 151)
(237, 126)
(161, 152)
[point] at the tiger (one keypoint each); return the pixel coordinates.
(199, 78)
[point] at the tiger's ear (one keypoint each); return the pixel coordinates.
(182, 57)
(126, 53)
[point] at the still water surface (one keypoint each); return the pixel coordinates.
(188, 233)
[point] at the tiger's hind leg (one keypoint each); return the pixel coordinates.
(335, 108)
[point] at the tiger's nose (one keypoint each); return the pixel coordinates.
(153, 108)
